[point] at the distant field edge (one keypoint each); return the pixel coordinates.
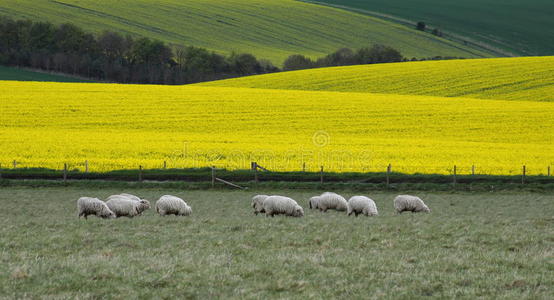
(202, 178)
(27, 74)
(459, 39)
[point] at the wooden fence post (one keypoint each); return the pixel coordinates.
(14, 164)
(255, 167)
(140, 173)
(389, 167)
(304, 167)
(523, 174)
(0, 171)
(64, 172)
(454, 182)
(321, 175)
(213, 176)
(86, 166)
(165, 164)
(473, 170)
(548, 171)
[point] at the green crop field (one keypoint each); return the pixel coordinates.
(520, 26)
(270, 29)
(469, 246)
(7, 73)
(525, 78)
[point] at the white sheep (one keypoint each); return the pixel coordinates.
(145, 203)
(313, 202)
(362, 205)
(93, 206)
(275, 205)
(258, 203)
(123, 206)
(409, 203)
(330, 200)
(171, 205)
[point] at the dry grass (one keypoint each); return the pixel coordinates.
(471, 245)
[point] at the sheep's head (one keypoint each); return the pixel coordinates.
(145, 203)
(107, 214)
(426, 209)
(187, 211)
(258, 208)
(298, 212)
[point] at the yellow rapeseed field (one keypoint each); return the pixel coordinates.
(122, 126)
(522, 78)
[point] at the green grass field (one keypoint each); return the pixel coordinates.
(471, 246)
(522, 78)
(519, 26)
(7, 73)
(270, 29)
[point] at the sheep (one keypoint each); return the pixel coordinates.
(313, 202)
(145, 203)
(275, 205)
(258, 203)
(334, 201)
(362, 205)
(171, 205)
(94, 206)
(132, 197)
(409, 203)
(123, 206)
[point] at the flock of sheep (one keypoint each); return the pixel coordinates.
(275, 205)
(127, 205)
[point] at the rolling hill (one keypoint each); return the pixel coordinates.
(270, 29)
(116, 126)
(522, 27)
(523, 78)
(7, 73)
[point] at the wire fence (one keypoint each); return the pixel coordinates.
(256, 172)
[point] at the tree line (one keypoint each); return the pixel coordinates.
(112, 57)
(345, 57)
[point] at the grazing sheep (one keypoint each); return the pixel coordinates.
(258, 203)
(171, 205)
(334, 201)
(362, 205)
(146, 203)
(123, 206)
(275, 205)
(94, 206)
(132, 197)
(313, 202)
(409, 203)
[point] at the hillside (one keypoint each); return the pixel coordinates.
(270, 29)
(522, 27)
(526, 78)
(116, 126)
(7, 73)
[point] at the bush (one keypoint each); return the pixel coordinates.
(297, 62)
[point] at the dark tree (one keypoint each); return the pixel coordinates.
(378, 54)
(421, 26)
(341, 57)
(297, 62)
(437, 32)
(243, 64)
